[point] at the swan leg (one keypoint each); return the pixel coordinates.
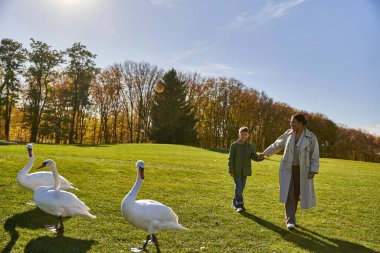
(148, 238)
(155, 241)
(58, 227)
(135, 249)
(51, 227)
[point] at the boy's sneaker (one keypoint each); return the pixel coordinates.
(233, 206)
(240, 209)
(291, 226)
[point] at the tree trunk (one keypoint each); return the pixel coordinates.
(35, 126)
(8, 112)
(77, 122)
(121, 136)
(75, 109)
(33, 133)
(94, 136)
(114, 134)
(71, 134)
(58, 126)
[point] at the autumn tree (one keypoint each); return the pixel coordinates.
(81, 69)
(326, 131)
(139, 80)
(106, 93)
(1, 104)
(245, 112)
(77, 103)
(56, 118)
(115, 94)
(217, 111)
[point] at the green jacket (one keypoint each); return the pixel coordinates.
(239, 159)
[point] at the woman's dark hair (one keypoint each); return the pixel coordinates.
(300, 118)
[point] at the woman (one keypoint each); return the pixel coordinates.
(299, 164)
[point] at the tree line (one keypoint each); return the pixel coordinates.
(52, 96)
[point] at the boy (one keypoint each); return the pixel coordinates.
(239, 165)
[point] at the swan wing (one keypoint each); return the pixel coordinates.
(60, 203)
(44, 178)
(156, 210)
(37, 179)
(66, 184)
(153, 216)
(149, 201)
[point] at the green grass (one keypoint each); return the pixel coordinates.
(195, 183)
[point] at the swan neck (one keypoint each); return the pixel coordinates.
(131, 196)
(28, 166)
(57, 182)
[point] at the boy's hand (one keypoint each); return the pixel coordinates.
(232, 174)
(261, 157)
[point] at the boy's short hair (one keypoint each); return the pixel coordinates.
(243, 129)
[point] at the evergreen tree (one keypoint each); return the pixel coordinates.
(41, 73)
(173, 120)
(12, 58)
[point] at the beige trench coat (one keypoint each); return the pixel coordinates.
(309, 161)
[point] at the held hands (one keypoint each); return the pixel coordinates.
(311, 175)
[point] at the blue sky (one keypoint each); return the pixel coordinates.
(316, 55)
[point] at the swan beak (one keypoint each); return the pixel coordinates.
(42, 166)
(141, 171)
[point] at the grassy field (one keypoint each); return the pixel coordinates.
(195, 183)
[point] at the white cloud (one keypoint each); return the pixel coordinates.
(218, 69)
(179, 56)
(270, 11)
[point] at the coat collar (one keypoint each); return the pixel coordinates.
(241, 143)
(304, 143)
(307, 132)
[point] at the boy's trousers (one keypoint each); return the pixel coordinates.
(239, 188)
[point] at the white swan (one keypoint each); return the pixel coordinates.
(148, 215)
(33, 180)
(52, 200)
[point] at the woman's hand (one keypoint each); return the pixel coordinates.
(311, 175)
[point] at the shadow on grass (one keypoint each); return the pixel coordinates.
(310, 240)
(11, 142)
(93, 145)
(80, 145)
(32, 219)
(58, 244)
(37, 219)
